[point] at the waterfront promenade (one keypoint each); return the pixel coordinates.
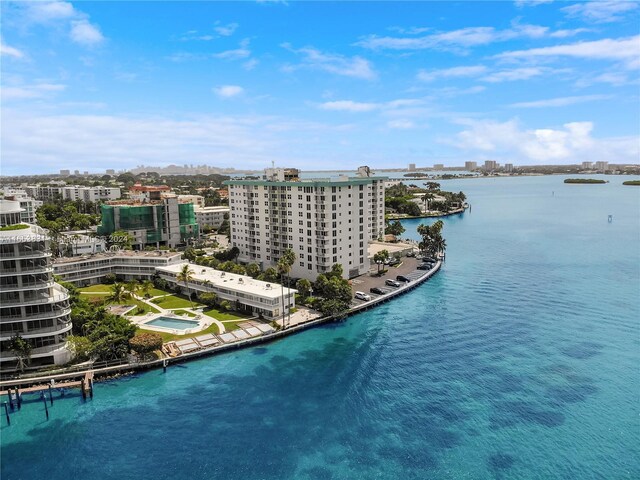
(302, 323)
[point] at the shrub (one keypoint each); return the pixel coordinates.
(145, 343)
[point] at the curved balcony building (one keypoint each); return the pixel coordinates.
(32, 305)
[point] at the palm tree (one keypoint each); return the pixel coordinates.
(145, 287)
(285, 263)
(119, 293)
(186, 275)
(427, 197)
(132, 287)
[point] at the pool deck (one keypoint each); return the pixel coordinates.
(418, 277)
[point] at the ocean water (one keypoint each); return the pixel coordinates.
(519, 360)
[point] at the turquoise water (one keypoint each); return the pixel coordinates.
(519, 360)
(175, 323)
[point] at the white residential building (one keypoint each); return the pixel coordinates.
(86, 194)
(28, 204)
(212, 216)
(470, 166)
(587, 165)
(75, 244)
(125, 264)
(324, 221)
(245, 293)
(602, 166)
(508, 167)
(490, 165)
(32, 305)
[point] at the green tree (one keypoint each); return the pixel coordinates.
(432, 241)
(21, 349)
(270, 275)
(145, 288)
(395, 228)
(122, 239)
(380, 257)
(284, 265)
(119, 293)
(80, 347)
(143, 344)
(253, 270)
(185, 275)
(225, 305)
(208, 298)
(304, 287)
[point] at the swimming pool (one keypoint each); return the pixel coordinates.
(174, 323)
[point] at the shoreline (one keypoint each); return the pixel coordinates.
(439, 215)
(129, 368)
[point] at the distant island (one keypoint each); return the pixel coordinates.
(632, 182)
(584, 180)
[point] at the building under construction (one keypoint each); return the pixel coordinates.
(162, 222)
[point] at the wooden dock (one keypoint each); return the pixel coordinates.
(86, 385)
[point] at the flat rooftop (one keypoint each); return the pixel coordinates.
(121, 253)
(231, 281)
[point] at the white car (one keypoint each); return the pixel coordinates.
(362, 296)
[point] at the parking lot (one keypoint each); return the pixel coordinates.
(366, 282)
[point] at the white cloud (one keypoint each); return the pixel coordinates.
(356, 67)
(465, 71)
(621, 49)
(523, 73)
(600, 11)
(56, 13)
(560, 101)
(85, 33)
(349, 106)
(530, 3)
(228, 91)
(235, 54)
(22, 92)
(45, 12)
(401, 124)
(250, 64)
(571, 143)
(568, 33)
(226, 30)
(10, 51)
(461, 40)
(38, 141)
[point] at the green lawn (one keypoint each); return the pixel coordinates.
(100, 287)
(218, 315)
(168, 337)
(175, 301)
(156, 292)
(232, 324)
(129, 301)
(184, 313)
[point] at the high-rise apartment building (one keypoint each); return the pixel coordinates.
(490, 165)
(470, 166)
(602, 166)
(324, 221)
(508, 167)
(32, 305)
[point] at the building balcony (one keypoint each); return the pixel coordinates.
(55, 313)
(61, 327)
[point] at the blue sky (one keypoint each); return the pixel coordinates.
(317, 85)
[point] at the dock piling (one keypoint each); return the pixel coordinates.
(18, 398)
(50, 394)
(46, 409)
(91, 388)
(82, 389)
(6, 412)
(10, 392)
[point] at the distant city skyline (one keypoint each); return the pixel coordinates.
(91, 86)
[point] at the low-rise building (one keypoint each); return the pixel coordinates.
(212, 216)
(124, 264)
(146, 193)
(245, 293)
(197, 200)
(75, 244)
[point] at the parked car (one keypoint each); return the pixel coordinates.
(362, 296)
(425, 266)
(411, 254)
(377, 291)
(429, 259)
(393, 261)
(391, 282)
(402, 278)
